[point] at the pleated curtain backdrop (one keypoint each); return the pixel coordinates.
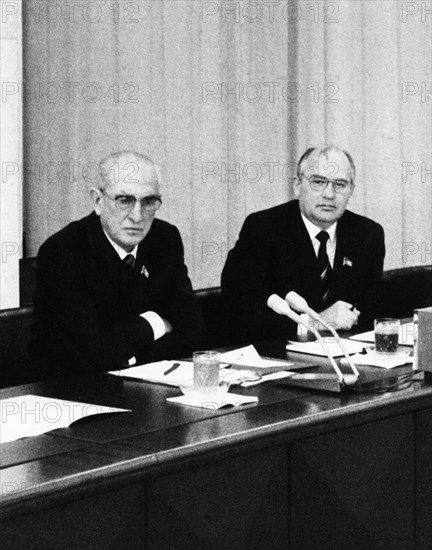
(225, 96)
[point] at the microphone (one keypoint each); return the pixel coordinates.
(281, 306)
(298, 303)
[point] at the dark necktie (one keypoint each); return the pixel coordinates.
(324, 264)
(129, 261)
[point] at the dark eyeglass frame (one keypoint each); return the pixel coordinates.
(342, 187)
(126, 203)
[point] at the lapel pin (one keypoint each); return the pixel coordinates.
(347, 262)
(144, 271)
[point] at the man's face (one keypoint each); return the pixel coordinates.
(324, 207)
(126, 227)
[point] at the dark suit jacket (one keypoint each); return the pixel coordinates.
(88, 303)
(274, 254)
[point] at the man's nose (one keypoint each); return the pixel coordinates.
(329, 192)
(137, 213)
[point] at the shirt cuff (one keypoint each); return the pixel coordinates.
(156, 323)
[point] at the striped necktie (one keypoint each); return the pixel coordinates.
(129, 261)
(324, 264)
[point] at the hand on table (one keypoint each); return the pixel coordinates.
(340, 315)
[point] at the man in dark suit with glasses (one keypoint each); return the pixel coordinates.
(112, 288)
(314, 246)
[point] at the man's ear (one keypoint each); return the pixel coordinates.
(96, 195)
(296, 183)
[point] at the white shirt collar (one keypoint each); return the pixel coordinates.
(313, 230)
(120, 251)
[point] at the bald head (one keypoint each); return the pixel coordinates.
(127, 166)
(326, 155)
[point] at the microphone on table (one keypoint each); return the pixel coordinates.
(280, 306)
(298, 303)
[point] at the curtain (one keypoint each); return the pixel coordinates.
(225, 96)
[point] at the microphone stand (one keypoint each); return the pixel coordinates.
(299, 304)
(313, 380)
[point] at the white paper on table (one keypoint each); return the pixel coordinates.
(213, 402)
(385, 361)
(249, 357)
(31, 415)
(406, 335)
(154, 372)
(314, 348)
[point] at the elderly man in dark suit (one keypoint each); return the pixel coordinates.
(112, 288)
(314, 246)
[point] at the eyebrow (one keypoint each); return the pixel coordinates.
(325, 177)
(124, 194)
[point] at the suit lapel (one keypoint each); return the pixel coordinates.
(103, 252)
(304, 257)
(344, 264)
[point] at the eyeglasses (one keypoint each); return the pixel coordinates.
(126, 203)
(319, 183)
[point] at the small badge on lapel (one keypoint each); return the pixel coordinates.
(347, 262)
(144, 271)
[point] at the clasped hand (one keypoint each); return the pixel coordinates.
(340, 315)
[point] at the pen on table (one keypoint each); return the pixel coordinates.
(172, 368)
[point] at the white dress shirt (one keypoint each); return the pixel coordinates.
(313, 231)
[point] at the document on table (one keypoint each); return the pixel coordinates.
(246, 357)
(155, 372)
(213, 402)
(31, 415)
(407, 332)
(314, 348)
(383, 360)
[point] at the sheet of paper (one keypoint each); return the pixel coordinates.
(314, 348)
(31, 415)
(155, 372)
(375, 359)
(249, 357)
(213, 402)
(406, 335)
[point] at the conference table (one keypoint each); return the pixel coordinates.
(299, 469)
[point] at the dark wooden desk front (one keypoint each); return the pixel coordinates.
(298, 470)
